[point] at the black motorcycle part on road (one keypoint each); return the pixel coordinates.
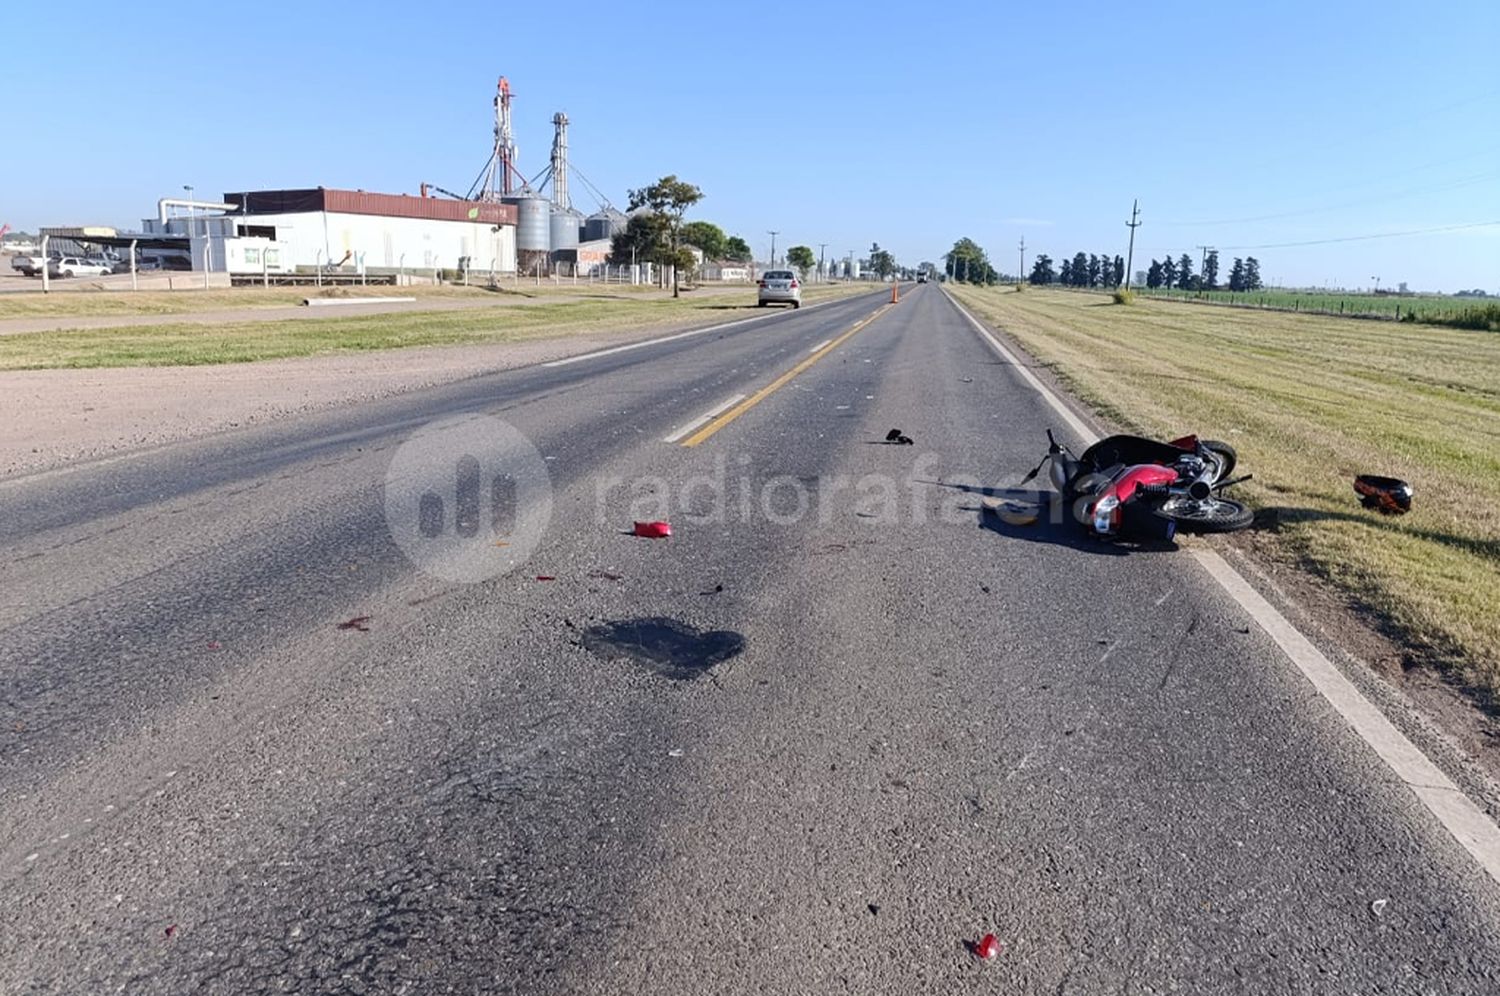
(1140, 520)
(1112, 451)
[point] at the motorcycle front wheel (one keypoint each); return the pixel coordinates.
(1211, 515)
(1223, 454)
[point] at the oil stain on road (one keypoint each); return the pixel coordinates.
(663, 646)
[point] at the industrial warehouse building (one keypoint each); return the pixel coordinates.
(279, 230)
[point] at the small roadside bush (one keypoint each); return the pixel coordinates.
(1123, 297)
(1484, 317)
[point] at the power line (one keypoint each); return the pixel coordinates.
(1366, 238)
(1358, 202)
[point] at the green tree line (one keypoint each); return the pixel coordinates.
(967, 263)
(1168, 273)
(1082, 270)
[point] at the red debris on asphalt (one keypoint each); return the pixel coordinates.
(171, 930)
(358, 622)
(215, 645)
(546, 577)
(653, 530)
(988, 947)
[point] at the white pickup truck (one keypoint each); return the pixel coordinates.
(30, 266)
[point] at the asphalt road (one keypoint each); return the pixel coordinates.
(837, 726)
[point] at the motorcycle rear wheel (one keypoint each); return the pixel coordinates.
(1211, 515)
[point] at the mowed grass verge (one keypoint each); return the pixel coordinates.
(1310, 402)
(248, 341)
(70, 303)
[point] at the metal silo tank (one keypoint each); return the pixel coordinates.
(603, 225)
(533, 221)
(564, 228)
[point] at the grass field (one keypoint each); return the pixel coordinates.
(246, 341)
(92, 303)
(1309, 402)
(1424, 307)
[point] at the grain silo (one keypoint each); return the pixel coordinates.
(603, 224)
(533, 229)
(564, 225)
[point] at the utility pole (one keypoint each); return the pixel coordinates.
(1021, 276)
(822, 273)
(773, 246)
(1133, 223)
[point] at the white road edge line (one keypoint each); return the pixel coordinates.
(1468, 824)
(820, 345)
(683, 335)
(716, 410)
(684, 430)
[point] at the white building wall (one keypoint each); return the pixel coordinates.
(384, 241)
(325, 236)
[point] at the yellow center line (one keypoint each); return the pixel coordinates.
(765, 392)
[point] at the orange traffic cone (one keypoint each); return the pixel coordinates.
(895, 293)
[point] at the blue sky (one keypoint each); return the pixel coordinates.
(1246, 124)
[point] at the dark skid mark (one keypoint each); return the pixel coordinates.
(665, 646)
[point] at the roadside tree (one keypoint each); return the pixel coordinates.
(669, 199)
(802, 258)
(706, 237)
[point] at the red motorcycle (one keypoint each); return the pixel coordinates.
(1137, 488)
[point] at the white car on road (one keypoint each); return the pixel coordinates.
(780, 286)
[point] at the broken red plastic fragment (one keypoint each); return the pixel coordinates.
(215, 645)
(653, 530)
(171, 929)
(988, 947)
(546, 577)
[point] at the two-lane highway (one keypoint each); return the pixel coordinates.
(838, 724)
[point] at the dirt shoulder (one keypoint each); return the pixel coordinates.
(49, 418)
